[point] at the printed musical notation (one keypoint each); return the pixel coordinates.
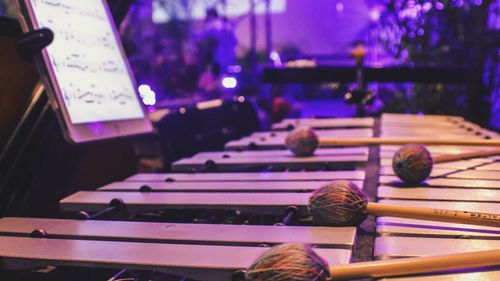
(74, 62)
(87, 61)
(91, 95)
(88, 40)
(71, 8)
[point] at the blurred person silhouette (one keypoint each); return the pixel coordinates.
(216, 46)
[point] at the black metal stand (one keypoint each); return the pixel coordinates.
(28, 45)
(18, 146)
(33, 42)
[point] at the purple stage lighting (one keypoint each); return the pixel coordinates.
(148, 96)
(339, 7)
(375, 15)
(229, 82)
(276, 59)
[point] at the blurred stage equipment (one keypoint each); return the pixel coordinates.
(359, 96)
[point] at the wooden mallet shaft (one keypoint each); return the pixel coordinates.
(403, 141)
(442, 215)
(465, 155)
(420, 265)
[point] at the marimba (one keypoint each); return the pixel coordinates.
(258, 177)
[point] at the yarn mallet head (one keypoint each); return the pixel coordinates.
(412, 163)
(302, 141)
(289, 262)
(338, 203)
(298, 262)
(342, 203)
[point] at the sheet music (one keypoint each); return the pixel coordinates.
(87, 62)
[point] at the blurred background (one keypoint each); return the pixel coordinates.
(187, 51)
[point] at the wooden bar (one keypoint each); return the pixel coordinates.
(199, 262)
(457, 165)
(440, 194)
(326, 123)
(400, 247)
(275, 139)
(332, 152)
(260, 186)
(208, 234)
(346, 162)
(260, 176)
(266, 203)
(475, 174)
(490, 167)
(355, 132)
(445, 182)
(387, 226)
(391, 226)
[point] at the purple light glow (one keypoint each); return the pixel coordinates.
(375, 14)
(234, 69)
(339, 7)
(144, 88)
(439, 5)
(275, 58)
(427, 6)
(148, 96)
(229, 82)
(459, 3)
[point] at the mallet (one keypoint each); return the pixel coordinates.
(342, 203)
(299, 262)
(413, 163)
(303, 141)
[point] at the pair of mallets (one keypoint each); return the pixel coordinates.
(342, 203)
(412, 163)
